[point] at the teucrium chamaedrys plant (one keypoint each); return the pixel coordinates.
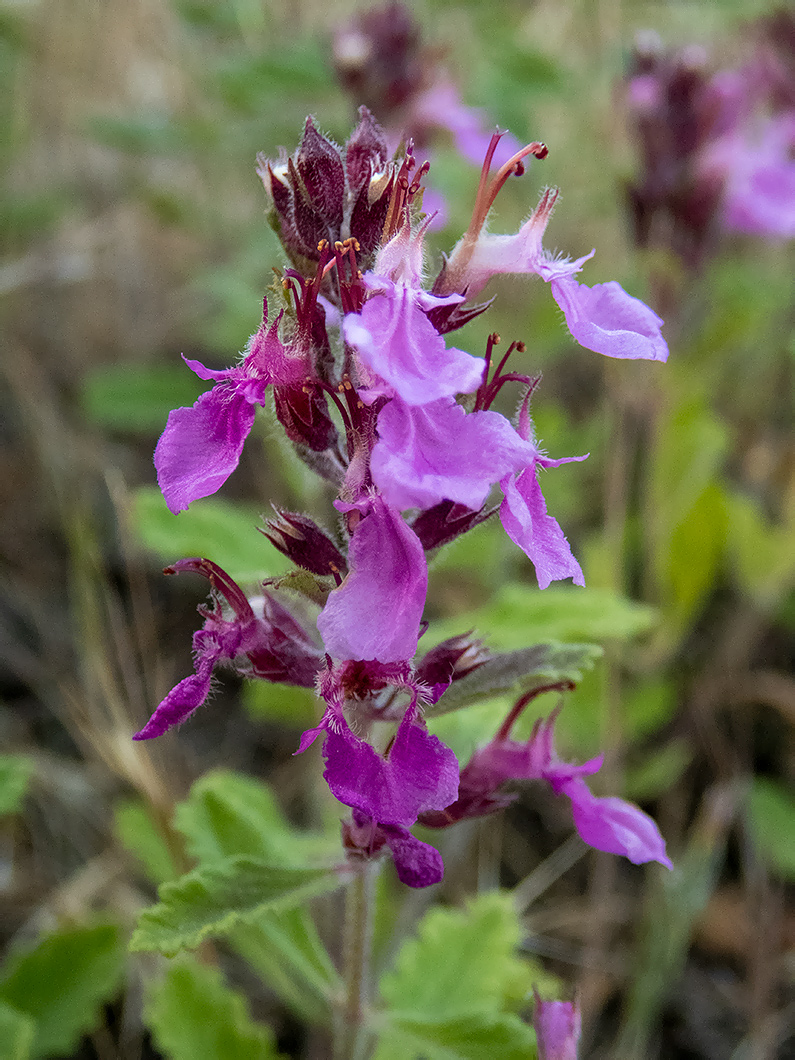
(365, 385)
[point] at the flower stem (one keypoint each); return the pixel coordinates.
(351, 1037)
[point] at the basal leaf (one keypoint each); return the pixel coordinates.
(15, 772)
(229, 814)
(214, 899)
(772, 813)
(16, 1033)
(139, 834)
(541, 664)
(472, 954)
(220, 530)
(138, 397)
(521, 614)
(193, 1013)
(468, 1036)
(63, 982)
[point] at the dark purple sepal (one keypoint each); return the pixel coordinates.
(447, 662)
(445, 522)
(300, 539)
(303, 412)
(320, 167)
(365, 152)
(367, 220)
(417, 864)
(446, 318)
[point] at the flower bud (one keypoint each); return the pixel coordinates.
(303, 542)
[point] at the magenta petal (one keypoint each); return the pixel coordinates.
(417, 864)
(430, 453)
(557, 1025)
(606, 319)
(396, 341)
(376, 612)
(524, 516)
(201, 446)
(183, 699)
(419, 774)
(615, 826)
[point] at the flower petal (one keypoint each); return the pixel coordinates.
(524, 516)
(396, 341)
(201, 446)
(557, 1025)
(615, 826)
(606, 319)
(376, 612)
(417, 864)
(430, 453)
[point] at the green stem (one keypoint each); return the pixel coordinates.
(351, 1037)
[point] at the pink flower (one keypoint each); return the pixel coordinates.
(557, 1026)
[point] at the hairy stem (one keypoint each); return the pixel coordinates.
(351, 1037)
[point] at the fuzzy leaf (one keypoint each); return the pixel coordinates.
(541, 664)
(215, 899)
(15, 771)
(772, 812)
(16, 1033)
(138, 397)
(210, 527)
(521, 613)
(63, 982)
(193, 1013)
(468, 1036)
(228, 814)
(472, 954)
(138, 833)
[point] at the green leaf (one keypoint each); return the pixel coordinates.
(193, 1013)
(229, 814)
(287, 953)
(541, 664)
(214, 900)
(219, 530)
(772, 813)
(139, 834)
(468, 1036)
(63, 982)
(519, 614)
(472, 954)
(659, 772)
(15, 773)
(137, 397)
(763, 553)
(16, 1033)
(695, 548)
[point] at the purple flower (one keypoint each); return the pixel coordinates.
(603, 318)
(201, 445)
(557, 1025)
(274, 646)
(436, 451)
(375, 613)
(397, 342)
(417, 774)
(608, 824)
(760, 184)
(524, 517)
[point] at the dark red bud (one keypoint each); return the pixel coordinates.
(303, 412)
(290, 656)
(452, 659)
(365, 151)
(300, 539)
(445, 522)
(319, 164)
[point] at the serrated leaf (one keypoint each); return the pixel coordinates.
(16, 1033)
(474, 1036)
(137, 397)
(229, 814)
(15, 773)
(472, 954)
(219, 530)
(193, 1013)
(528, 666)
(217, 898)
(139, 834)
(521, 614)
(63, 982)
(772, 819)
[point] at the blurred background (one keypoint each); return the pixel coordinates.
(134, 229)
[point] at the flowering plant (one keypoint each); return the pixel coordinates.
(402, 425)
